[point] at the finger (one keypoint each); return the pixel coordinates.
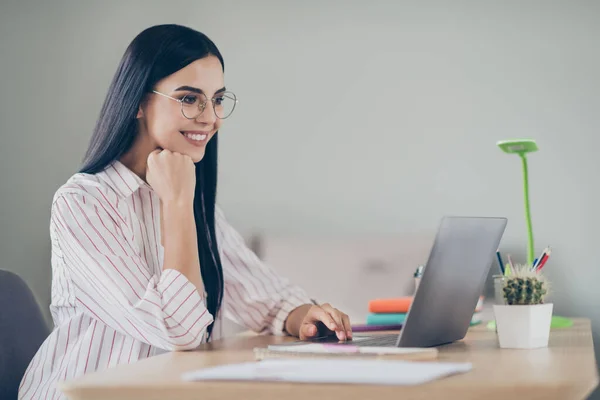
(151, 160)
(347, 325)
(188, 159)
(154, 153)
(316, 314)
(337, 317)
(308, 330)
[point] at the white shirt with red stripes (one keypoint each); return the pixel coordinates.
(111, 301)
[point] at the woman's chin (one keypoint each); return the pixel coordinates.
(195, 151)
(197, 155)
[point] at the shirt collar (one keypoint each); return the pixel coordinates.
(123, 179)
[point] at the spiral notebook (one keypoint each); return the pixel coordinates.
(329, 350)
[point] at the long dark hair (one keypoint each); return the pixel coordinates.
(155, 53)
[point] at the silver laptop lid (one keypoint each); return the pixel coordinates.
(453, 280)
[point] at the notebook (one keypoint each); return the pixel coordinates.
(332, 351)
(390, 305)
(399, 318)
(397, 305)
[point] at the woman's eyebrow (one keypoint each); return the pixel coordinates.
(196, 90)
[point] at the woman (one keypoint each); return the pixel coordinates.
(143, 260)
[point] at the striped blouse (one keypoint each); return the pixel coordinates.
(111, 301)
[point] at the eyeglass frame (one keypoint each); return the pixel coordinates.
(212, 100)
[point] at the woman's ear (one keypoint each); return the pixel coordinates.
(140, 112)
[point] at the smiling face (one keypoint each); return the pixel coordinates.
(166, 119)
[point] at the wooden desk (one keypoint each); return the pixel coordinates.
(565, 370)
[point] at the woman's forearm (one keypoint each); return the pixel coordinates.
(181, 242)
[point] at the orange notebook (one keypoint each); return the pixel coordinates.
(400, 305)
(390, 305)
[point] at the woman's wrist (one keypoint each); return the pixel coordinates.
(294, 319)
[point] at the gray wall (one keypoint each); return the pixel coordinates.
(353, 118)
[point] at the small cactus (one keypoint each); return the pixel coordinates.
(525, 287)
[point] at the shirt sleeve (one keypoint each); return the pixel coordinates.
(113, 283)
(255, 295)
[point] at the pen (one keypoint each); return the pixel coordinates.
(539, 259)
(500, 261)
(543, 260)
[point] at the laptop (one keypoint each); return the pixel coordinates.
(452, 282)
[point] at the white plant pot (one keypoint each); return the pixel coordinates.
(523, 326)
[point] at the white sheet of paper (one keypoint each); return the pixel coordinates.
(378, 372)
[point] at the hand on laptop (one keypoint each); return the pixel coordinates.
(319, 320)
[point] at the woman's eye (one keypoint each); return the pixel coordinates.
(190, 99)
(219, 100)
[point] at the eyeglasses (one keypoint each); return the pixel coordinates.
(194, 104)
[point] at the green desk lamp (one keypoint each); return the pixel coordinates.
(522, 147)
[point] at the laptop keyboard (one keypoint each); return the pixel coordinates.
(375, 341)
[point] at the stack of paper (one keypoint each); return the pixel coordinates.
(332, 371)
